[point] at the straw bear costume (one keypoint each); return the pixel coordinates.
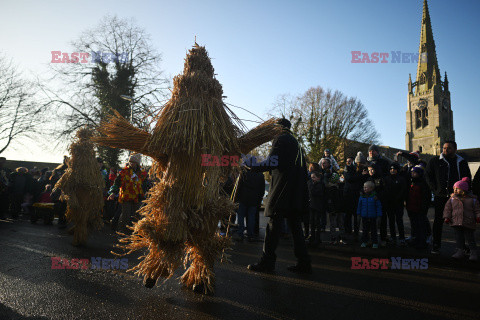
(182, 210)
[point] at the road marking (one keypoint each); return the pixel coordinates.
(433, 309)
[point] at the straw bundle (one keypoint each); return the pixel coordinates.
(258, 135)
(181, 213)
(82, 187)
(117, 132)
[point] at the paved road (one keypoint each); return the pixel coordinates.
(30, 289)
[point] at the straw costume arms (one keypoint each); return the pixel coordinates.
(118, 132)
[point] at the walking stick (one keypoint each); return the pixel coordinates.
(232, 198)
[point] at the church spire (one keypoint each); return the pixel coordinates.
(428, 73)
(445, 83)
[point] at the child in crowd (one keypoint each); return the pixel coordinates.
(418, 200)
(326, 173)
(308, 229)
(461, 211)
(369, 208)
(316, 193)
(375, 175)
(332, 201)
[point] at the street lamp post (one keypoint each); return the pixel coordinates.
(128, 98)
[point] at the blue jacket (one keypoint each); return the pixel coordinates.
(369, 206)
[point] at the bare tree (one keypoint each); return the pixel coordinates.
(121, 62)
(19, 117)
(326, 119)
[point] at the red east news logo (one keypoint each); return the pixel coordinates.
(394, 262)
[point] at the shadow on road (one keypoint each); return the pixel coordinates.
(8, 313)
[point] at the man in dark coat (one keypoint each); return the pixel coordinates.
(382, 164)
(251, 188)
(351, 192)
(287, 198)
(21, 183)
(441, 174)
(395, 196)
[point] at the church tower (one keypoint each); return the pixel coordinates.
(429, 115)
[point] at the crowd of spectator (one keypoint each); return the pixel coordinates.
(360, 202)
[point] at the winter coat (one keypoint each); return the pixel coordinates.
(382, 165)
(331, 197)
(462, 211)
(227, 187)
(419, 196)
(111, 179)
(476, 183)
(406, 172)
(251, 188)
(353, 180)
(438, 171)
(369, 206)
(288, 194)
(379, 182)
(45, 198)
(4, 179)
(21, 183)
(316, 191)
(129, 185)
(395, 190)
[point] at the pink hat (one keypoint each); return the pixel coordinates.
(462, 184)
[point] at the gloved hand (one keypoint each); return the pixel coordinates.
(448, 220)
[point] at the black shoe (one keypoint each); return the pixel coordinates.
(262, 266)
(436, 249)
(301, 268)
(149, 282)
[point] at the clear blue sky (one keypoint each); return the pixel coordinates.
(261, 49)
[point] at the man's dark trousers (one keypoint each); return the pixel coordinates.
(439, 203)
(272, 235)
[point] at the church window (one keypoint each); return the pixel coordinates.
(420, 149)
(418, 119)
(425, 117)
(421, 118)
